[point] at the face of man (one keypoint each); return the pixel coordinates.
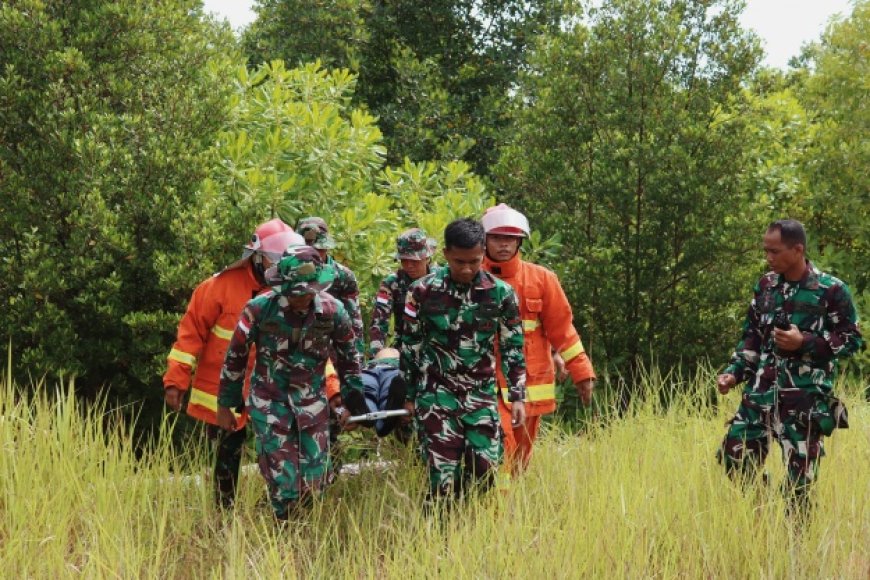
(501, 248)
(464, 263)
(782, 259)
(300, 303)
(415, 268)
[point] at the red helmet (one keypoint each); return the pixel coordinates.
(506, 221)
(272, 238)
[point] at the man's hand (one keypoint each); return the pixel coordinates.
(725, 382)
(584, 391)
(337, 408)
(518, 414)
(409, 406)
(791, 339)
(561, 370)
(226, 419)
(173, 397)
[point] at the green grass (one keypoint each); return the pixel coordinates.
(641, 496)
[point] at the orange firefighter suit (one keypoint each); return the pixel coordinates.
(204, 334)
(547, 326)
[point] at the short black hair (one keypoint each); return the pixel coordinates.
(464, 233)
(791, 232)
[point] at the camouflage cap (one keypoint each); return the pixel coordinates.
(316, 233)
(414, 244)
(300, 271)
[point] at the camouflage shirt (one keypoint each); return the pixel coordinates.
(820, 306)
(291, 354)
(449, 335)
(389, 301)
(346, 289)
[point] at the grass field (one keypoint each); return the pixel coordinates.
(641, 496)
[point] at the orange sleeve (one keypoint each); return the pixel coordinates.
(558, 324)
(332, 383)
(201, 315)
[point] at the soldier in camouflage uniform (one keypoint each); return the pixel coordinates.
(344, 287)
(799, 322)
(293, 326)
(452, 319)
(414, 250)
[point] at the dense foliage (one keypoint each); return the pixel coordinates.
(107, 115)
(436, 74)
(631, 141)
(137, 152)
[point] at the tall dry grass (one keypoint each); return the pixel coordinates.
(637, 496)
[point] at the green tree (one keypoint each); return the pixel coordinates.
(302, 31)
(632, 143)
(435, 74)
(296, 146)
(835, 162)
(107, 112)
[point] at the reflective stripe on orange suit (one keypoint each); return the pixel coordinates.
(547, 324)
(203, 336)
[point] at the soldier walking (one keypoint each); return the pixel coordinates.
(344, 287)
(203, 335)
(414, 251)
(800, 321)
(452, 320)
(293, 327)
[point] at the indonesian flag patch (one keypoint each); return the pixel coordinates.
(410, 310)
(382, 298)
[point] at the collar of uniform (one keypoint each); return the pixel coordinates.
(809, 279)
(483, 280)
(318, 304)
(506, 269)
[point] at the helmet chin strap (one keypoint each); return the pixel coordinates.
(258, 267)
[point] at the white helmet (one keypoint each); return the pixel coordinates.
(506, 221)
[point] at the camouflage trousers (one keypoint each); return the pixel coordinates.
(294, 461)
(786, 415)
(456, 429)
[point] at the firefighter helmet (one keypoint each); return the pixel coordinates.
(506, 221)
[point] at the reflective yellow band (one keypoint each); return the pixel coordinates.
(573, 351)
(182, 357)
(530, 325)
(329, 370)
(540, 392)
(222, 332)
(203, 399)
(534, 393)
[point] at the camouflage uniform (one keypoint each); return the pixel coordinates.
(448, 361)
(389, 302)
(287, 402)
(411, 244)
(346, 290)
(344, 287)
(788, 394)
